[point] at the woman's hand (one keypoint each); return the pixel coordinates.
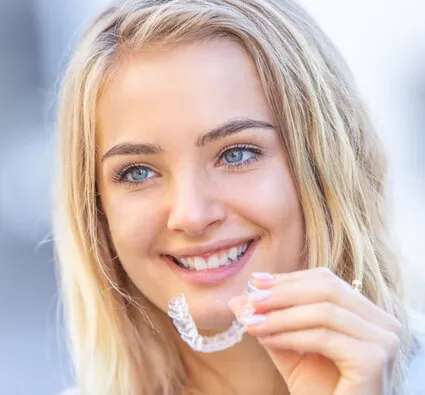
(324, 338)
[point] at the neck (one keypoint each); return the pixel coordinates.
(245, 369)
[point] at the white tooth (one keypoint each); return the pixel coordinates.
(190, 264)
(200, 264)
(213, 262)
(244, 247)
(233, 253)
(223, 259)
(183, 261)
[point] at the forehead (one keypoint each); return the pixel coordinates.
(185, 89)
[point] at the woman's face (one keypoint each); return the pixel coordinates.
(193, 178)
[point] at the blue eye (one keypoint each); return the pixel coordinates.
(233, 155)
(138, 174)
(238, 156)
(135, 174)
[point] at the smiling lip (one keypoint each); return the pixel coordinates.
(207, 250)
(212, 276)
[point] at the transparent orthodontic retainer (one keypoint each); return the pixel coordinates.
(178, 311)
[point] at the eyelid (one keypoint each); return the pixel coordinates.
(255, 150)
(119, 174)
(240, 146)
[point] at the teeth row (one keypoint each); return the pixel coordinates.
(214, 261)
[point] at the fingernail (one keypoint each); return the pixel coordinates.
(253, 319)
(247, 310)
(263, 276)
(259, 295)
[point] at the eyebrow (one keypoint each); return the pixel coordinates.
(231, 127)
(227, 129)
(132, 149)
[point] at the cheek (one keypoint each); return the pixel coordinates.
(133, 225)
(270, 202)
(268, 197)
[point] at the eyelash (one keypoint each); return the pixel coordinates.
(120, 174)
(258, 154)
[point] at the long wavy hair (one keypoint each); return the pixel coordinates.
(120, 342)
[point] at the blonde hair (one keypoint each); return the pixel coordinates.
(120, 344)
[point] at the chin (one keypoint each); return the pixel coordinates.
(216, 317)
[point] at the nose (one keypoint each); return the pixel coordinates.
(195, 207)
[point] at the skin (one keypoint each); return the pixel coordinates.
(192, 196)
(321, 335)
(171, 98)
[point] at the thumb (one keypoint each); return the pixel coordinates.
(237, 304)
(284, 360)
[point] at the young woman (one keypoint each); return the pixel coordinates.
(205, 143)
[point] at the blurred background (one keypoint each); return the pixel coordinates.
(382, 40)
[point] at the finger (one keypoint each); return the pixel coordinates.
(312, 286)
(315, 273)
(238, 305)
(265, 280)
(319, 315)
(346, 352)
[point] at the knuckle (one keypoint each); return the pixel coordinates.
(372, 361)
(379, 359)
(329, 283)
(325, 272)
(288, 277)
(329, 312)
(329, 289)
(324, 336)
(394, 325)
(392, 344)
(397, 327)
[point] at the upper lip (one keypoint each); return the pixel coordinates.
(208, 249)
